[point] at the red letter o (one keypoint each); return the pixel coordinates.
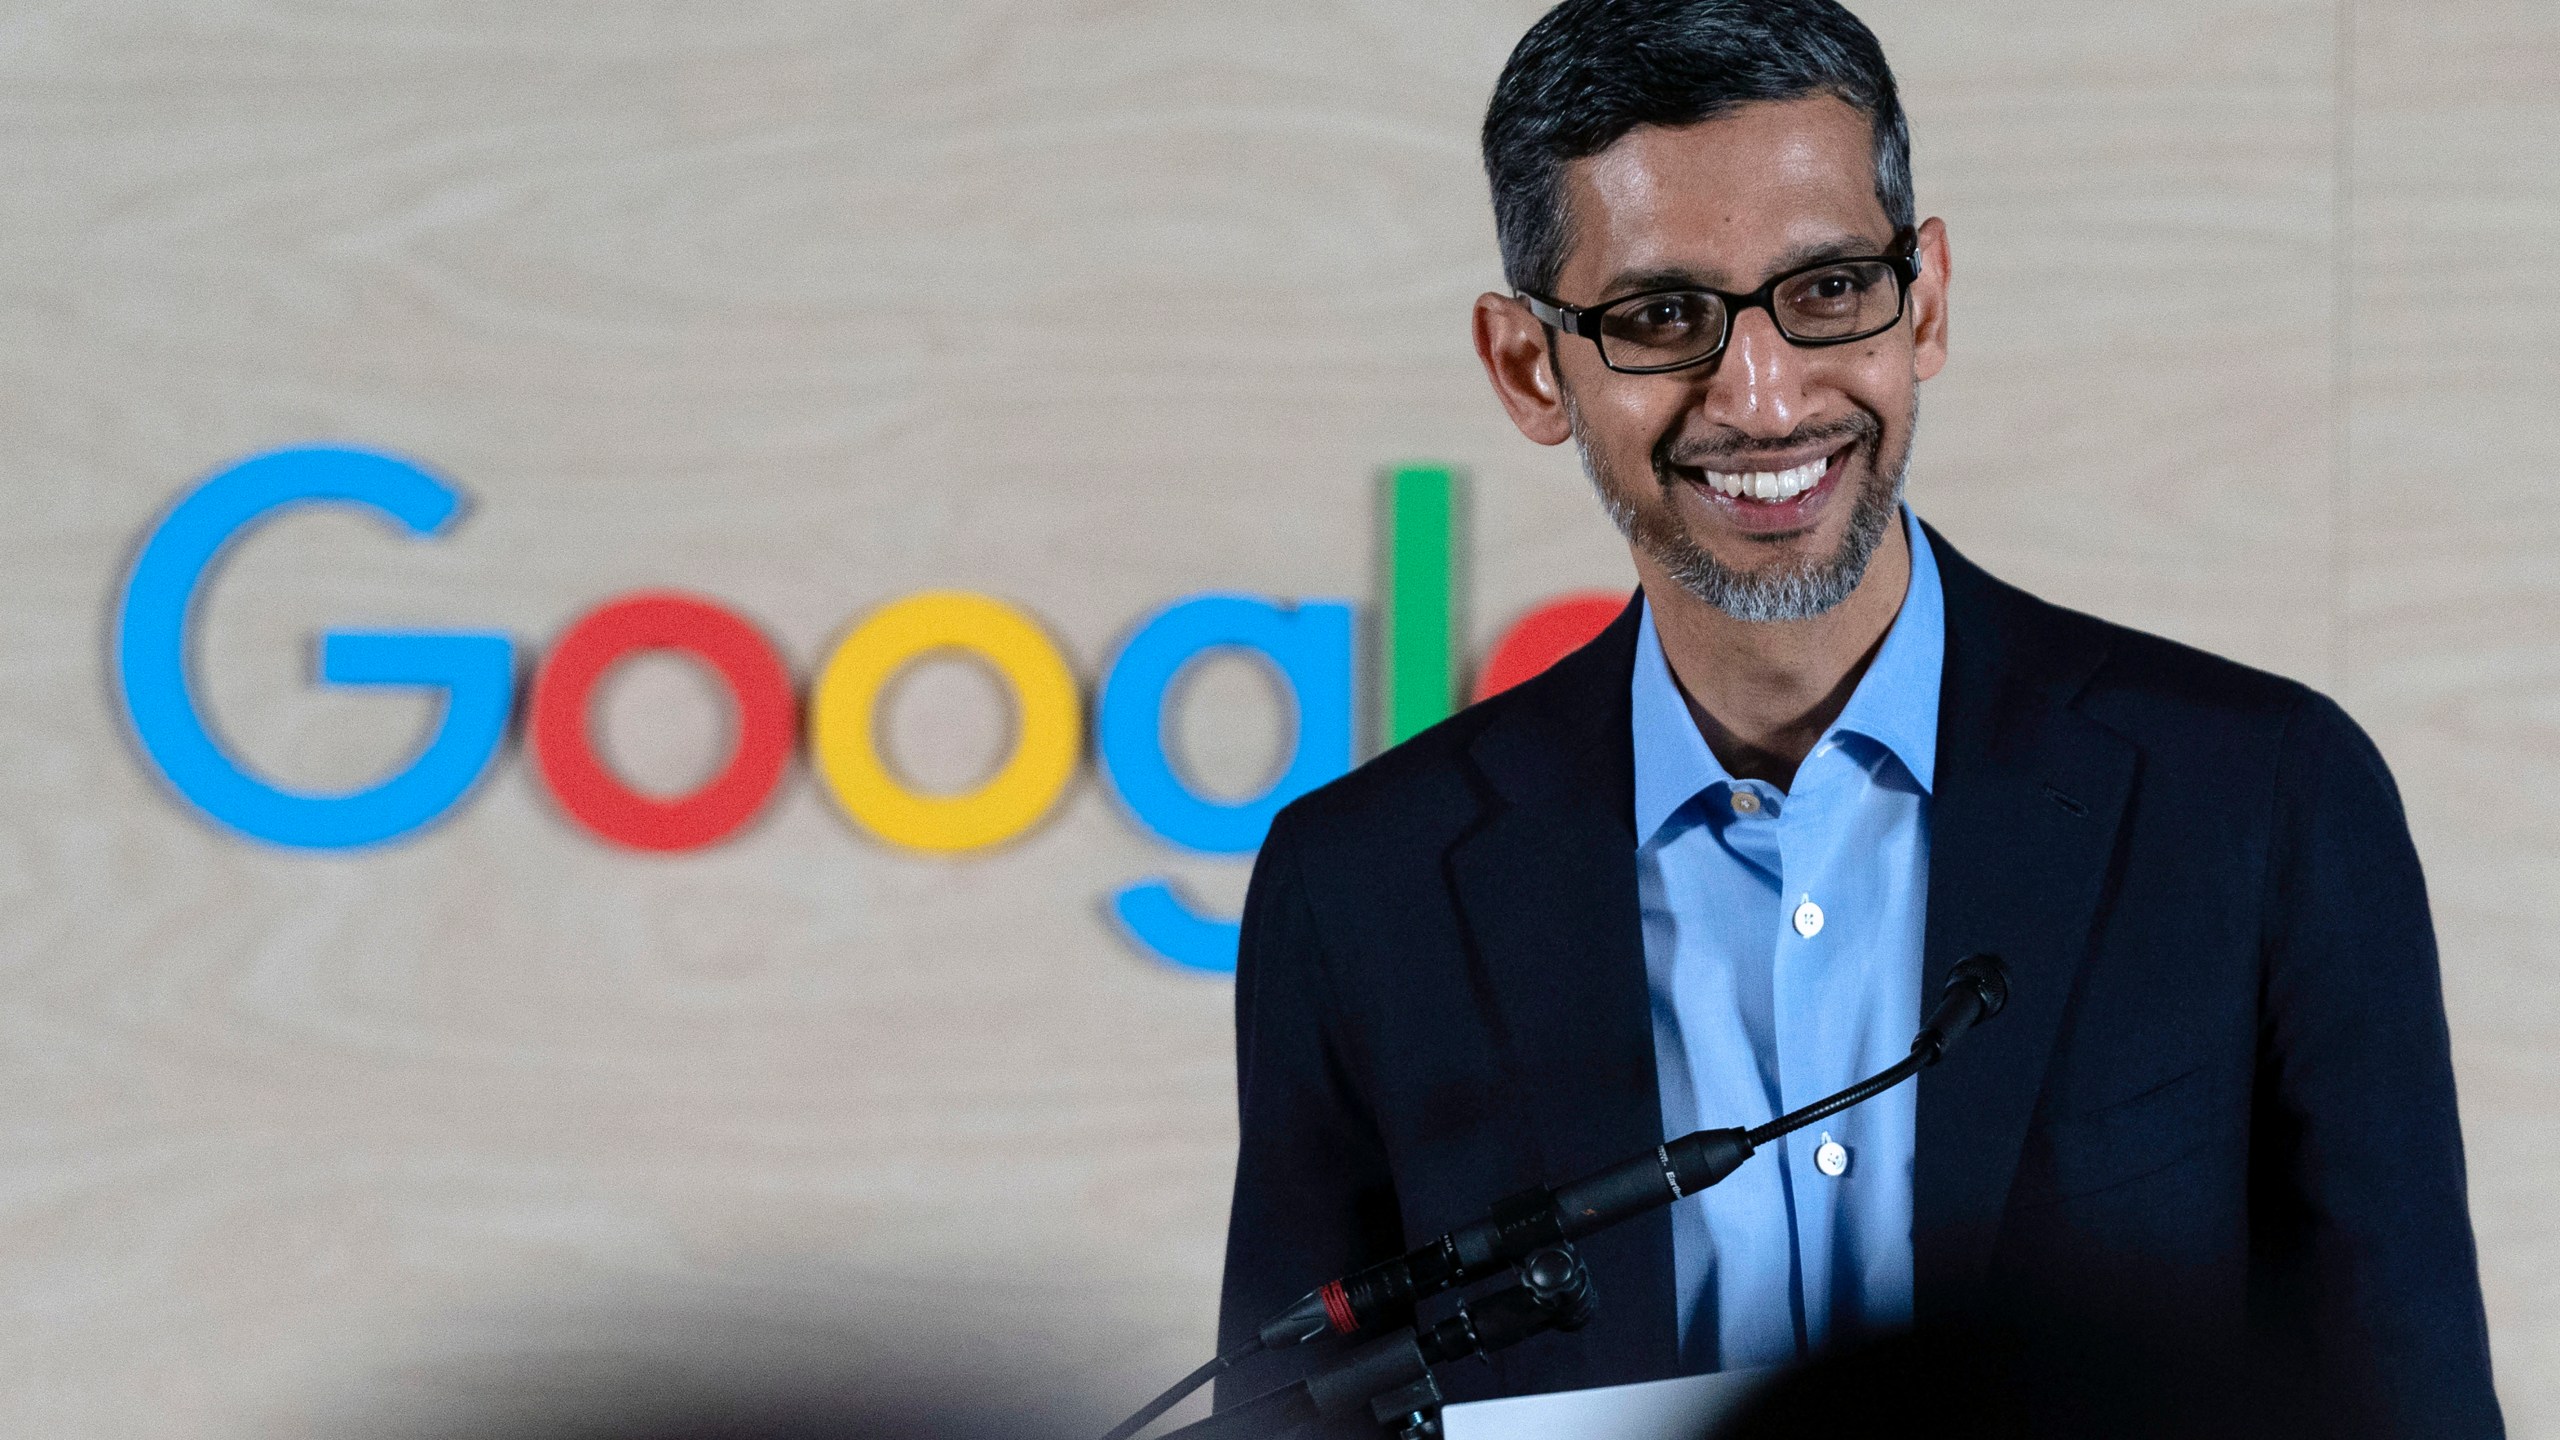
(597, 798)
(1546, 635)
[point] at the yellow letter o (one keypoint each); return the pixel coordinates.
(1020, 792)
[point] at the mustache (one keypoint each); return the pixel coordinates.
(1739, 454)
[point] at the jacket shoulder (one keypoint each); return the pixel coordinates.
(1422, 786)
(1434, 785)
(2139, 681)
(2173, 673)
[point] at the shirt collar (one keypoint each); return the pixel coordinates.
(1895, 704)
(1673, 762)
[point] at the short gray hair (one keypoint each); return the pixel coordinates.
(1592, 70)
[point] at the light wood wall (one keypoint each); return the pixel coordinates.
(808, 305)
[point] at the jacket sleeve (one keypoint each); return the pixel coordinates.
(1313, 1194)
(2370, 1228)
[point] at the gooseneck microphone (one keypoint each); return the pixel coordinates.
(1529, 1231)
(1535, 1219)
(1976, 990)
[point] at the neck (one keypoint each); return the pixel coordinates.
(1763, 692)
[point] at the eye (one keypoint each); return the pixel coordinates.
(1659, 320)
(1838, 293)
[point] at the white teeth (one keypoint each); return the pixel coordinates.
(1768, 486)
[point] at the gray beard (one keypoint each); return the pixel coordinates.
(1794, 592)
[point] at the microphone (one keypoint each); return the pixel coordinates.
(1528, 1222)
(1976, 990)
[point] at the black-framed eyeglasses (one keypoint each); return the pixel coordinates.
(1833, 302)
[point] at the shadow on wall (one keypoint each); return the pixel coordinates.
(766, 1361)
(709, 1368)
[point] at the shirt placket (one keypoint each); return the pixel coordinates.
(1760, 815)
(1807, 935)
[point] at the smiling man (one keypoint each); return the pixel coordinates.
(1705, 870)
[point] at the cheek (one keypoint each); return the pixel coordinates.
(1634, 417)
(1879, 378)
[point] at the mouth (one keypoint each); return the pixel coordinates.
(1777, 499)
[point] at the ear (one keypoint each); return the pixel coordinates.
(1929, 302)
(1513, 346)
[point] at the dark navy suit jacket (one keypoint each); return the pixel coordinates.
(2217, 1112)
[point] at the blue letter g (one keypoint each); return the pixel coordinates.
(1310, 646)
(476, 672)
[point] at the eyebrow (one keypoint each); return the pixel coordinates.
(1645, 282)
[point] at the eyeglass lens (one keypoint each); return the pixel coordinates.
(1847, 301)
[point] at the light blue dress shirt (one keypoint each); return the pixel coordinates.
(1782, 935)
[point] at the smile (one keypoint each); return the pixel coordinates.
(1768, 486)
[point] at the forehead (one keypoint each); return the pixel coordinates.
(1724, 200)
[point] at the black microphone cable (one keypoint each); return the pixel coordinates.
(1182, 1389)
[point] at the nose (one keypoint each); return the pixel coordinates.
(1758, 383)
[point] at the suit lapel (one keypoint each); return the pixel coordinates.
(2023, 828)
(1545, 885)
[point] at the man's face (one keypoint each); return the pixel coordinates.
(1728, 204)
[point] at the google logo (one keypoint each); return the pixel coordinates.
(1308, 644)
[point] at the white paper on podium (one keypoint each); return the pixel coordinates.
(1679, 1409)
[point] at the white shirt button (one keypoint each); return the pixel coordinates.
(1808, 919)
(1831, 1158)
(1745, 803)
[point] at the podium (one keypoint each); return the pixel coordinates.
(1681, 1409)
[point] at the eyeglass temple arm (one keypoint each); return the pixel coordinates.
(1562, 317)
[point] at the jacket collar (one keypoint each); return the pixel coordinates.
(2023, 831)
(1545, 885)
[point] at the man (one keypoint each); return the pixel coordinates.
(1713, 865)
